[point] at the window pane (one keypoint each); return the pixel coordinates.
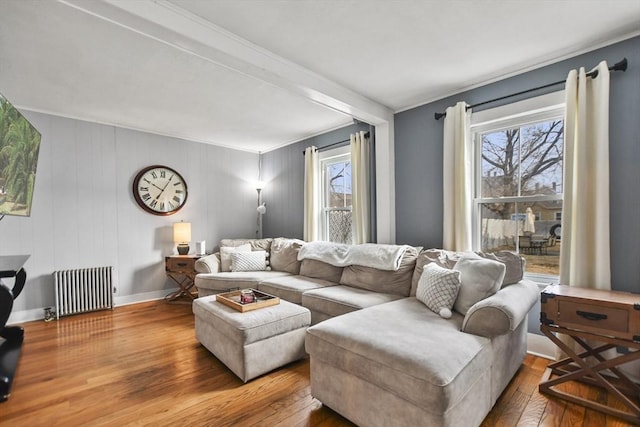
(339, 226)
(500, 159)
(523, 161)
(541, 158)
(339, 185)
(527, 228)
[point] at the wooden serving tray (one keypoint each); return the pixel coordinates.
(232, 299)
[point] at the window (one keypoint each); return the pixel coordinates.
(518, 183)
(335, 217)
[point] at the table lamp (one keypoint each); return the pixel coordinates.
(182, 236)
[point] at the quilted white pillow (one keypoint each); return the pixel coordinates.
(248, 261)
(438, 288)
(479, 279)
(225, 255)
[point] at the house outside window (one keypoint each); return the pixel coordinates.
(518, 181)
(335, 217)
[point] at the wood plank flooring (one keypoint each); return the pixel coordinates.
(141, 365)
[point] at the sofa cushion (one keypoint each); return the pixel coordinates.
(248, 261)
(414, 354)
(320, 270)
(438, 288)
(210, 283)
(256, 244)
(284, 255)
(338, 300)
(441, 257)
(389, 282)
(515, 265)
(291, 288)
(225, 255)
(479, 278)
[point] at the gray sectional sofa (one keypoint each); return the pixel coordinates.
(379, 356)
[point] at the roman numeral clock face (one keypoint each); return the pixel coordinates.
(160, 190)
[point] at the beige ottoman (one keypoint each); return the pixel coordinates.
(255, 342)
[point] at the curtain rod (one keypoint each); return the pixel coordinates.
(366, 135)
(618, 66)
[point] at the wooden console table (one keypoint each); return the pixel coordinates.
(11, 337)
(182, 270)
(598, 321)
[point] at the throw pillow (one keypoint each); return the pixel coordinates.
(514, 263)
(479, 279)
(443, 258)
(284, 255)
(225, 255)
(248, 261)
(438, 288)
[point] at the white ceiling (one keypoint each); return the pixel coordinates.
(256, 74)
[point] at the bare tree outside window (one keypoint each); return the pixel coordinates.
(338, 197)
(521, 167)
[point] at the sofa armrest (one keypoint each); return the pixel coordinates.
(503, 311)
(208, 264)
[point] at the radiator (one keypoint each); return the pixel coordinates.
(83, 290)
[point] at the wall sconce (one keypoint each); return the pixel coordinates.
(182, 236)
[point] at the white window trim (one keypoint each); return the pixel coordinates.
(535, 109)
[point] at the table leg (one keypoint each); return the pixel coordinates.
(591, 375)
(185, 284)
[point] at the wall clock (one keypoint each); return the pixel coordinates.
(160, 190)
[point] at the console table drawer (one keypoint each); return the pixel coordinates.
(589, 317)
(178, 263)
(601, 312)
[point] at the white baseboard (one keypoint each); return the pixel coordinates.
(38, 313)
(541, 346)
(25, 316)
(147, 296)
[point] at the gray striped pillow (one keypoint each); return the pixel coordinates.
(248, 261)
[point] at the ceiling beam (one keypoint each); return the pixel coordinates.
(170, 24)
(174, 26)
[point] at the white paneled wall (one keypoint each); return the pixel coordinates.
(84, 214)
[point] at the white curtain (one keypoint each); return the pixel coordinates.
(360, 187)
(311, 194)
(457, 179)
(584, 252)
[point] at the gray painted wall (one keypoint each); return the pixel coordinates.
(418, 151)
(84, 214)
(283, 171)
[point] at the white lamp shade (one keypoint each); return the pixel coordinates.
(182, 232)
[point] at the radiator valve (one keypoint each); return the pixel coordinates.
(49, 314)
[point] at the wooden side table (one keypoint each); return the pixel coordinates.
(181, 268)
(598, 321)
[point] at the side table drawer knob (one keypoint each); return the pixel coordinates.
(591, 316)
(182, 264)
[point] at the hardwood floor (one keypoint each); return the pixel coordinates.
(141, 365)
